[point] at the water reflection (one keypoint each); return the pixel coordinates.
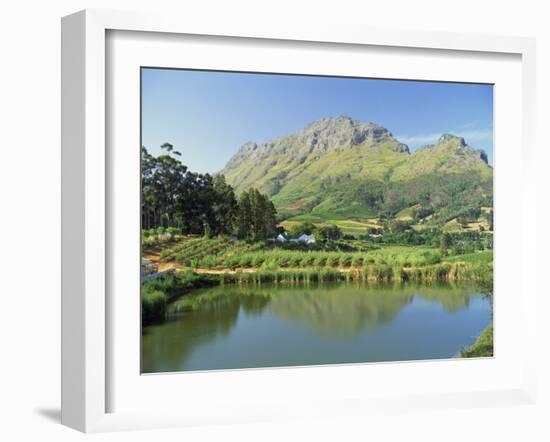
(236, 316)
(341, 310)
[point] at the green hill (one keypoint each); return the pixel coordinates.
(340, 168)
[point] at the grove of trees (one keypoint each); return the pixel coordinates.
(256, 216)
(328, 232)
(173, 196)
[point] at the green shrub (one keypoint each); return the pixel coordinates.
(246, 261)
(153, 307)
(269, 266)
(320, 260)
(257, 260)
(173, 231)
(432, 257)
(308, 260)
(333, 261)
(345, 260)
(165, 284)
(295, 259)
(357, 260)
(207, 262)
(483, 347)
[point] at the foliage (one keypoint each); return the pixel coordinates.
(370, 272)
(399, 226)
(457, 242)
(153, 306)
(157, 292)
(159, 236)
(401, 262)
(176, 199)
(304, 228)
(256, 216)
(331, 232)
(172, 196)
(444, 243)
(167, 284)
(483, 347)
(274, 264)
(289, 276)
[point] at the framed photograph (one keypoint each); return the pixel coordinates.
(263, 223)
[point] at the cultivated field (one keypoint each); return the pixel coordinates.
(225, 255)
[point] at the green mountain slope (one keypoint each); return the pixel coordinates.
(342, 168)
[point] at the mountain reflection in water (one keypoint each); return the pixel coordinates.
(276, 325)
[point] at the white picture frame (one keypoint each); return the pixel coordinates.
(86, 350)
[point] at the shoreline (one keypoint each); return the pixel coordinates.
(443, 271)
(482, 347)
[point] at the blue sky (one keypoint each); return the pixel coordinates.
(207, 116)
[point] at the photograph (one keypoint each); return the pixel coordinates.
(269, 221)
(293, 220)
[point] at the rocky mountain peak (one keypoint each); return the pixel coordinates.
(333, 134)
(336, 163)
(343, 132)
(249, 146)
(454, 149)
(445, 138)
(244, 152)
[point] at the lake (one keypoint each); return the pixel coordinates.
(267, 325)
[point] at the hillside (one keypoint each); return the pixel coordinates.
(340, 168)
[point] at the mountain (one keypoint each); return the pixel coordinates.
(340, 168)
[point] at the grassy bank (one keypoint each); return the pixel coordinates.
(483, 347)
(155, 294)
(445, 271)
(224, 261)
(282, 276)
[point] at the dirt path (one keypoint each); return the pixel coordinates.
(154, 257)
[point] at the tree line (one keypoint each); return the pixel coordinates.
(328, 232)
(173, 196)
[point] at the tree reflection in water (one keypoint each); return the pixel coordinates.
(337, 310)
